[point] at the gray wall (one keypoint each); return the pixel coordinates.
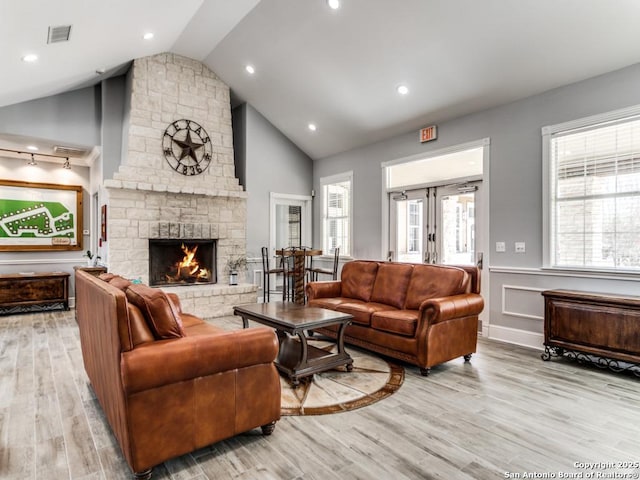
(72, 117)
(515, 193)
(239, 120)
(273, 164)
(114, 98)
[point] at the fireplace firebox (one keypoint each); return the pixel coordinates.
(182, 262)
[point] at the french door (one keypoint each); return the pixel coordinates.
(435, 225)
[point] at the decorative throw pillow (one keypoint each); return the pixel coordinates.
(106, 276)
(160, 313)
(119, 282)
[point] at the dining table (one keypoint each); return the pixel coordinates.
(299, 268)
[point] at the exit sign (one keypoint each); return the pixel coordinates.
(428, 133)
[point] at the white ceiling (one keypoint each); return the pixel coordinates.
(338, 69)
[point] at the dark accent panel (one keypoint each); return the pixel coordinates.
(165, 256)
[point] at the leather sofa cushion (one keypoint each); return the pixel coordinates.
(330, 303)
(160, 313)
(189, 320)
(106, 276)
(433, 281)
(401, 322)
(193, 325)
(391, 284)
(138, 327)
(202, 328)
(119, 282)
(362, 311)
(357, 279)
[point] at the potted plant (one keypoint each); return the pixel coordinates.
(235, 264)
(91, 261)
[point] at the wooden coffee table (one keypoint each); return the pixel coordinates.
(296, 358)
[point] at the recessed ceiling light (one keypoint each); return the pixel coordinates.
(33, 148)
(334, 4)
(250, 70)
(148, 36)
(402, 89)
(30, 58)
(312, 127)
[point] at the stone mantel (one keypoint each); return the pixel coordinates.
(187, 189)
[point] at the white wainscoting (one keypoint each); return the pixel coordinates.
(522, 301)
(516, 336)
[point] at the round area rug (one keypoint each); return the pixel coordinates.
(338, 390)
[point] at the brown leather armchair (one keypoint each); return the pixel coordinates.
(168, 382)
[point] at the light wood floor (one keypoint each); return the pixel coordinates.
(505, 413)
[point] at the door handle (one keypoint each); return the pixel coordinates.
(390, 256)
(480, 260)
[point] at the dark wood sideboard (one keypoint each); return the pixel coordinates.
(33, 292)
(602, 329)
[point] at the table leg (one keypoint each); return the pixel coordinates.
(245, 321)
(302, 360)
(340, 344)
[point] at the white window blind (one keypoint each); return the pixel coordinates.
(336, 214)
(595, 196)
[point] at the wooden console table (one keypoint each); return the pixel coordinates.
(602, 329)
(33, 292)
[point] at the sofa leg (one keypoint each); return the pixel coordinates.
(268, 428)
(144, 475)
(425, 372)
(467, 357)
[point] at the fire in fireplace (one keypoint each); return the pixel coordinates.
(182, 262)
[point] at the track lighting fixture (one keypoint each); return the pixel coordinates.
(32, 160)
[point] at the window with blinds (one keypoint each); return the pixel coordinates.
(336, 214)
(594, 188)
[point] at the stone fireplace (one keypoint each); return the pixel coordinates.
(148, 200)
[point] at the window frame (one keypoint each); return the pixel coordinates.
(324, 199)
(548, 132)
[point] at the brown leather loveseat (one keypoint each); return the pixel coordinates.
(419, 313)
(167, 381)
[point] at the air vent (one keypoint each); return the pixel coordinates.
(69, 151)
(59, 34)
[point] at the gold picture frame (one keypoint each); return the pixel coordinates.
(40, 216)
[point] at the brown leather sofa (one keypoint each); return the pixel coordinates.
(422, 314)
(169, 382)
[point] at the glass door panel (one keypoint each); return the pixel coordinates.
(408, 215)
(288, 227)
(457, 245)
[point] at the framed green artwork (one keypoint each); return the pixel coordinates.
(40, 216)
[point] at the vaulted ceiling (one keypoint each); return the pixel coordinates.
(338, 69)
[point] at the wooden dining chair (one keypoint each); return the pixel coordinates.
(314, 272)
(266, 276)
(288, 263)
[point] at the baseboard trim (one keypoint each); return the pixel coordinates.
(515, 336)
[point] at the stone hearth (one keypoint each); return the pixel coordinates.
(147, 198)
